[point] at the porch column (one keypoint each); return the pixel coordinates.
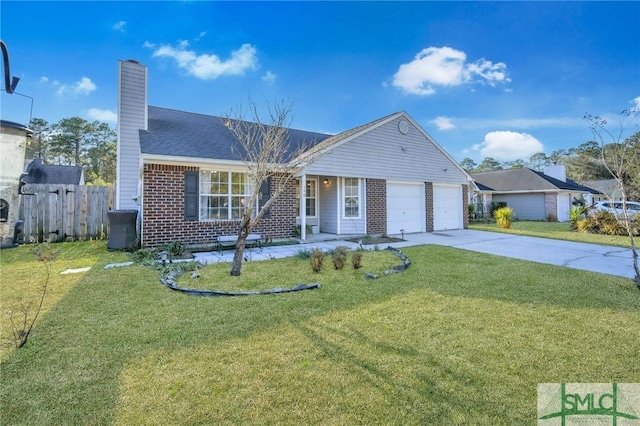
(303, 207)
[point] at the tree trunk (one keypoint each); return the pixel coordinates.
(236, 265)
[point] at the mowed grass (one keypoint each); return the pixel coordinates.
(458, 338)
(556, 231)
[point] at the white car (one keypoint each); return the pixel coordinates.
(615, 207)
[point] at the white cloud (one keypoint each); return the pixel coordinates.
(445, 66)
(635, 102)
(82, 87)
(205, 66)
(518, 123)
(269, 77)
(443, 123)
(119, 26)
(43, 79)
(105, 115)
(506, 145)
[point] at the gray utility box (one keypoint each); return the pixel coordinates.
(122, 229)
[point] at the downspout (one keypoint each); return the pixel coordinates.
(338, 205)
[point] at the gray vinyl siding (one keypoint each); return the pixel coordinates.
(385, 153)
(328, 206)
(525, 206)
(132, 117)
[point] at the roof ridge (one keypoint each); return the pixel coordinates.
(234, 119)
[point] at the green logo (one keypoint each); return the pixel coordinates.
(588, 403)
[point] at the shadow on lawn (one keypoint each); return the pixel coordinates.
(437, 392)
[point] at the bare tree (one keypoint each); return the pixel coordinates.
(620, 156)
(267, 151)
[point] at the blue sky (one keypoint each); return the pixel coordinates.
(503, 79)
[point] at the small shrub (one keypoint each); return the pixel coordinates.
(338, 260)
(339, 257)
(601, 221)
(146, 257)
(356, 260)
(496, 205)
(303, 254)
(582, 225)
(575, 214)
(175, 249)
(317, 257)
(504, 217)
(613, 228)
(551, 217)
(471, 210)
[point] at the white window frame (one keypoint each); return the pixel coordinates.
(203, 213)
(314, 184)
(344, 198)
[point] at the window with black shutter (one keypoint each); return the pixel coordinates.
(265, 194)
(191, 195)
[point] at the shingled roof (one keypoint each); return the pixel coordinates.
(40, 173)
(186, 134)
(522, 180)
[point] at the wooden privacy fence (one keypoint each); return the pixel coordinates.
(66, 212)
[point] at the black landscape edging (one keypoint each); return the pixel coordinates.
(169, 281)
(406, 262)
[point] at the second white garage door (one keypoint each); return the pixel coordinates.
(447, 207)
(405, 207)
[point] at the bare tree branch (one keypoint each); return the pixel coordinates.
(620, 156)
(267, 151)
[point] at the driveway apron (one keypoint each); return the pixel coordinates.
(589, 257)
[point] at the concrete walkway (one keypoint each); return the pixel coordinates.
(589, 257)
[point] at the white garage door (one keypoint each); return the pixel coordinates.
(405, 207)
(447, 207)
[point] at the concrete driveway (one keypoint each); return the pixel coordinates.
(588, 257)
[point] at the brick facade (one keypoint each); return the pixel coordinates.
(428, 196)
(376, 206)
(163, 207)
(551, 204)
(465, 206)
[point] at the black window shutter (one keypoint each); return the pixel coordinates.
(265, 194)
(191, 195)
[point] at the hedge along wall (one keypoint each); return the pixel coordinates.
(164, 220)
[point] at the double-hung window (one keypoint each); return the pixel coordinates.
(351, 198)
(311, 198)
(223, 195)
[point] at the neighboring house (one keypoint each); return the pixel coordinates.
(13, 142)
(40, 173)
(607, 188)
(178, 170)
(532, 195)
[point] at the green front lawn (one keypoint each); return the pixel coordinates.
(554, 230)
(458, 338)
